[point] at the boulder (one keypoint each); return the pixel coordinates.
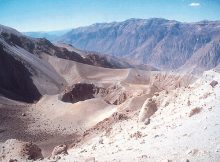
(213, 83)
(59, 150)
(100, 140)
(147, 121)
(148, 109)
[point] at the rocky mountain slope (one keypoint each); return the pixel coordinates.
(24, 76)
(165, 44)
(183, 126)
(25, 72)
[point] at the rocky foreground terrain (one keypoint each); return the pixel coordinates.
(58, 104)
(177, 125)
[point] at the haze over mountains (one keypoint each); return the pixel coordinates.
(51, 35)
(165, 44)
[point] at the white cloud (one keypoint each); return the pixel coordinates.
(194, 4)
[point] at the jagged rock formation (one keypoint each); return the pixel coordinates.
(117, 94)
(59, 150)
(166, 44)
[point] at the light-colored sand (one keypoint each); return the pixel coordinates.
(64, 118)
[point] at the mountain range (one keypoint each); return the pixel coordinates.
(51, 35)
(106, 91)
(165, 44)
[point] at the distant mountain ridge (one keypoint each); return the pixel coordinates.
(50, 35)
(166, 44)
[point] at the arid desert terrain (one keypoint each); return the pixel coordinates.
(59, 103)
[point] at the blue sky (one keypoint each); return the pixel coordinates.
(48, 15)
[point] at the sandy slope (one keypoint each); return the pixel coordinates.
(74, 72)
(171, 134)
(46, 80)
(51, 122)
(66, 117)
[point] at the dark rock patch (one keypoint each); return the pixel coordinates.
(213, 83)
(81, 92)
(16, 82)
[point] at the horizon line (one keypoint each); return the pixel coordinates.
(110, 22)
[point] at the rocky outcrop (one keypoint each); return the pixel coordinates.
(59, 150)
(114, 94)
(13, 150)
(147, 110)
(81, 92)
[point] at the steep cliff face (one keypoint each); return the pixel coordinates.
(163, 43)
(206, 57)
